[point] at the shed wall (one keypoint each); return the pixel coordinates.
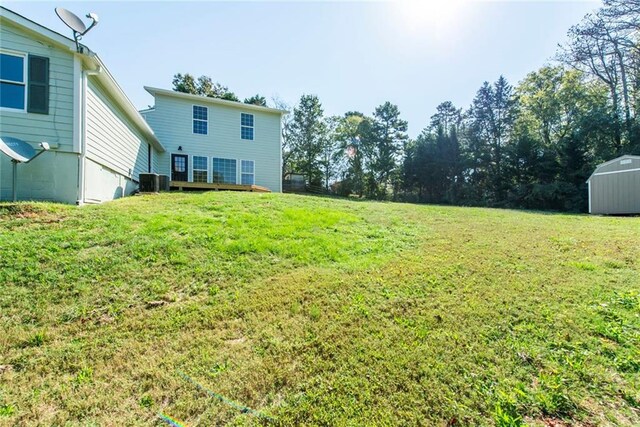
(615, 193)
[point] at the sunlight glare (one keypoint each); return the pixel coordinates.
(437, 18)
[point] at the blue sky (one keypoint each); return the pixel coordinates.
(354, 56)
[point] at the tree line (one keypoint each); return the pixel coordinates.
(205, 86)
(532, 145)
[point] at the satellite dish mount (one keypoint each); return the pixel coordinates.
(72, 21)
(19, 152)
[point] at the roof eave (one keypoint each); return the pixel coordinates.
(34, 27)
(199, 98)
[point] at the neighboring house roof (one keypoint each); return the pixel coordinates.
(91, 61)
(205, 99)
(626, 156)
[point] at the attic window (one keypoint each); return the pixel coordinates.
(200, 119)
(625, 162)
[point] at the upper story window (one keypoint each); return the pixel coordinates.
(24, 82)
(246, 126)
(200, 119)
(13, 84)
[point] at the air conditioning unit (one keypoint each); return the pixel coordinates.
(149, 183)
(164, 183)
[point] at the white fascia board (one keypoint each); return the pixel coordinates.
(208, 100)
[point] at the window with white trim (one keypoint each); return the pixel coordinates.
(200, 169)
(223, 171)
(200, 119)
(246, 126)
(247, 172)
(13, 81)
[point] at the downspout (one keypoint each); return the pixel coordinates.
(83, 133)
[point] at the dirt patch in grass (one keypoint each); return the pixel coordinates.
(20, 210)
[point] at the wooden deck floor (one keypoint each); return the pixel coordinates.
(181, 185)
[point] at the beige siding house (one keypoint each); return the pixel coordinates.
(99, 142)
(614, 187)
(215, 141)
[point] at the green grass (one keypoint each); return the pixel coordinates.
(316, 311)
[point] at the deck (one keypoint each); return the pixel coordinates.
(206, 186)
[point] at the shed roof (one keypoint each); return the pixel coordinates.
(610, 162)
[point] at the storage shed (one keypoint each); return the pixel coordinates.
(614, 187)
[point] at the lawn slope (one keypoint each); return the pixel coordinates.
(315, 311)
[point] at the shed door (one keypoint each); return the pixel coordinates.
(179, 167)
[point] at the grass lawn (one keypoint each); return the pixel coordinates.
(315, 311)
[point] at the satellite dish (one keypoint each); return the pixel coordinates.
(17, 149)
(71, 20)
(20, 152)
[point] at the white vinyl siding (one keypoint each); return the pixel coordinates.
(112, 140)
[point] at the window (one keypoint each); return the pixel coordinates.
(247, 169)
(200, 118)
(12, 81)
(224, 171)
(199, 169)
(246, 126)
